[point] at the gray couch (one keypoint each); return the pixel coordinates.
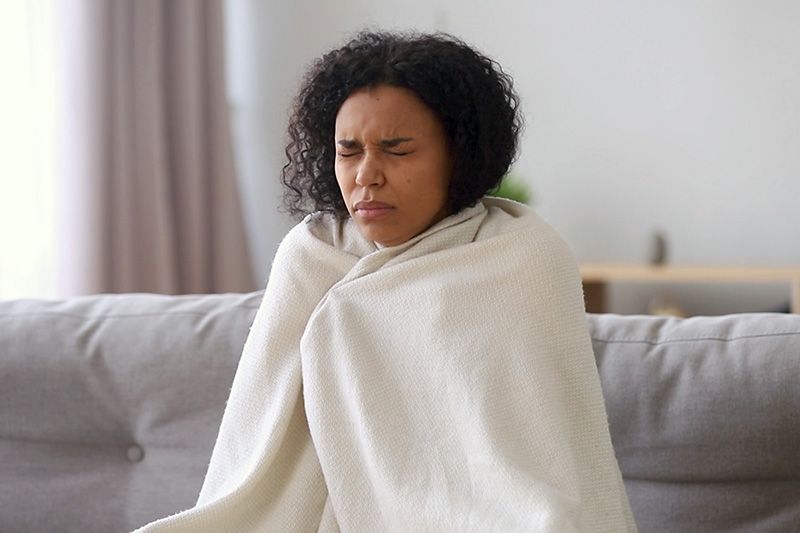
(109, 406)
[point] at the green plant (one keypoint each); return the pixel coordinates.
(512, 188)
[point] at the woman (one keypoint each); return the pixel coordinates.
(421, 360)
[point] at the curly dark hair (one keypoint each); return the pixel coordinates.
(468, 91)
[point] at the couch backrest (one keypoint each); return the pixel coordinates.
(110, 405)
(705, 418)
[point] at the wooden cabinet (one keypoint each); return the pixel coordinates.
(597, 275)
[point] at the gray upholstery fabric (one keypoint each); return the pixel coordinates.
(704, 419)
(110, 404)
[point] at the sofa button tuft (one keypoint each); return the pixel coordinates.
(135, 453)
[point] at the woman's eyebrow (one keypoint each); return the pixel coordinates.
(386, 143)
(389, 143)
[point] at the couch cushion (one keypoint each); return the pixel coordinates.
(111, 405)
(704, 418)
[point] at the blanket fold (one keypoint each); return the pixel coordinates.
(446, 384)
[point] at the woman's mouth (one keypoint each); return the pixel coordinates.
(372, 210)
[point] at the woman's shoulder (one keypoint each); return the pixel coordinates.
(521, 227)
(530, 256)
(322, 232)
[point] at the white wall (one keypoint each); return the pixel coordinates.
(680, 116)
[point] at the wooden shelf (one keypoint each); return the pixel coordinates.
(597, 275)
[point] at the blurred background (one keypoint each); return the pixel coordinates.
(141, 142)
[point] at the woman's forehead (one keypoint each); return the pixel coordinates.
(383, 113)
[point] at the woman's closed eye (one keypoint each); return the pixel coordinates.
(341, 154)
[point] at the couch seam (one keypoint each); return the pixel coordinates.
(67, 442)
(694, 339)
(711, 481)
(131, 315)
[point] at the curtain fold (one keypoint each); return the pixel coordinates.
(149, 195)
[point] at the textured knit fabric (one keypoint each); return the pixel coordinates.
(446, 384)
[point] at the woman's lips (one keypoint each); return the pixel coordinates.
(370, 210)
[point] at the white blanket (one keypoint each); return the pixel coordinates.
(446, 384)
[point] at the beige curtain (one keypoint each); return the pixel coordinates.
(148, 200)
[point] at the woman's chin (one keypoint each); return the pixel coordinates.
(380, 236)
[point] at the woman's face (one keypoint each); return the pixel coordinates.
(392, 163)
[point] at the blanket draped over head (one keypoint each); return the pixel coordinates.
(445, 384)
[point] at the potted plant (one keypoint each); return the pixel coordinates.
(512, 188)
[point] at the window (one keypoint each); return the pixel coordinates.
(27, 181)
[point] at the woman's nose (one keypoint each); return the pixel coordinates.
(369, 172)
